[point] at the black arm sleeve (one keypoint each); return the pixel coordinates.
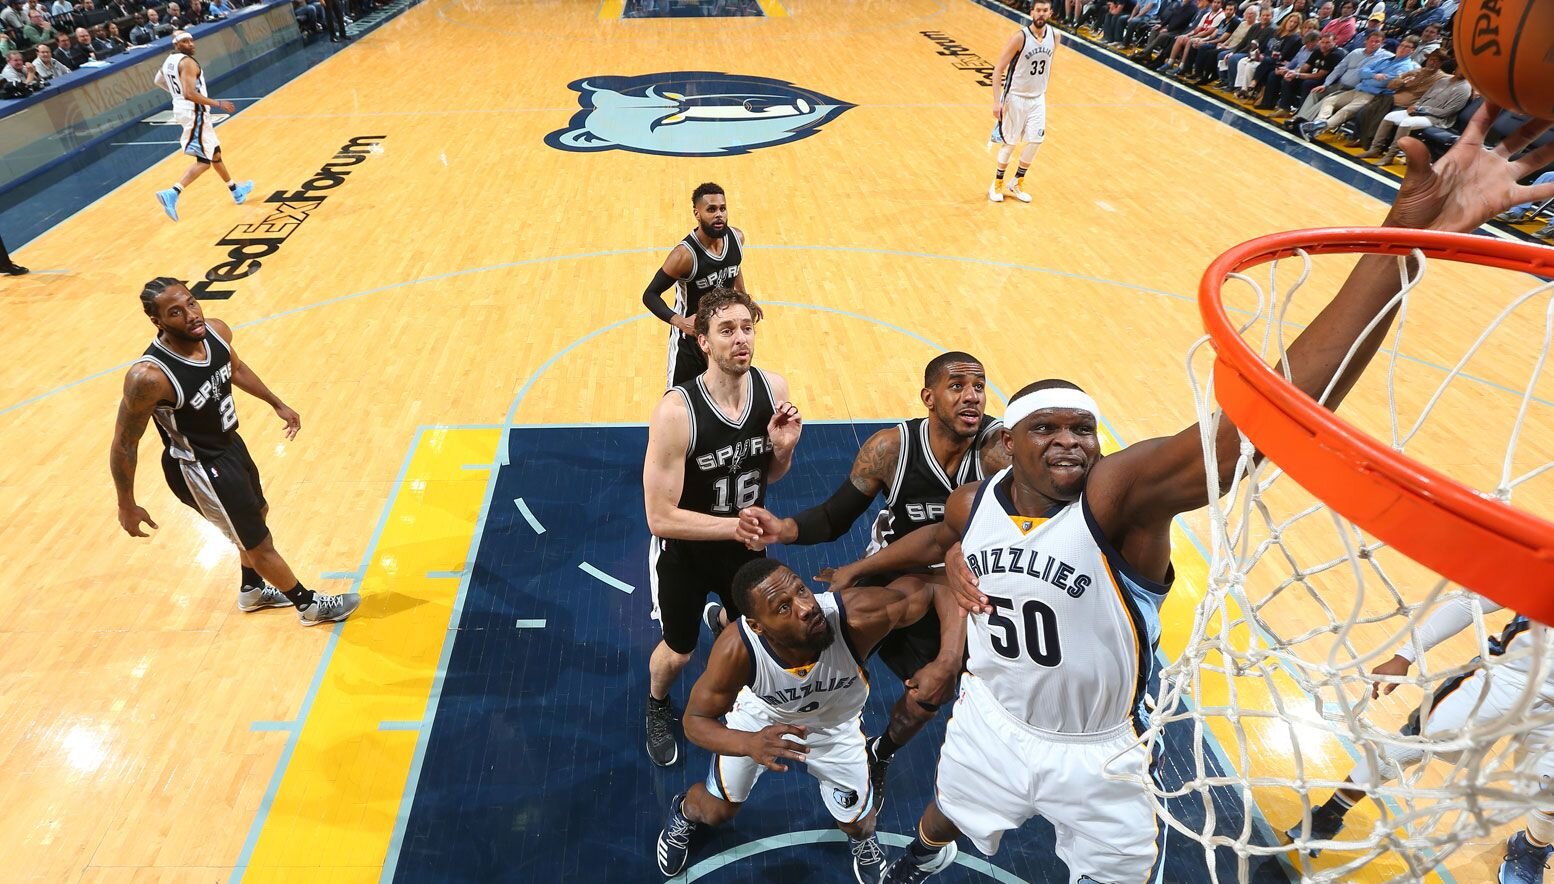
(653, 296)
(832, 519)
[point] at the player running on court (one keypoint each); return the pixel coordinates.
(790, 680)
(184, 80)
(1020, 99)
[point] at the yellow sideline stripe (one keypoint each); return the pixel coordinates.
(336, 806)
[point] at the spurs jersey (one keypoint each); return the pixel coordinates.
(1071, 642)
(727, 461)
(920, 486)
(174, 85)
(203, 418)
(708, 271)
(830, 692)
(1030, 69)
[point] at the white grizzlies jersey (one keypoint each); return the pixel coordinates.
(829, 693)
(1032, 67)
(174, 85)
(1070, 645)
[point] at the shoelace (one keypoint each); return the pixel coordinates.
(679, 831)
(327, 604)
(867, 852)
(658, 723)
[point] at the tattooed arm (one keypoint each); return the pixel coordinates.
(144, 387)
(872, 471)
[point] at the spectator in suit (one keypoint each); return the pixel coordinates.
(160, 26)
(47, 66)
(107, 46)
(65, 51)
(1438, 106)
(38, 30)
(143, 32)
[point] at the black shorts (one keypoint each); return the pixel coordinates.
(910, 648)
(226, 491)
(684, 572)
(686, 362)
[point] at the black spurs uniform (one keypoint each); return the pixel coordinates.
(727, 465)
(708, 271)
(915, 498)
(204, 459)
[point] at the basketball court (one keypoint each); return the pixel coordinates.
(441, 270)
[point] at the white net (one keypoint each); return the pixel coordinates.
(1273, 690)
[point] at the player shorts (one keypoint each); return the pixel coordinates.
(225, 489)
(686, 361)
(837, 760)
(199, 134)
(996, 772)
(683, 572)
(1478, 697)
(1024, 120)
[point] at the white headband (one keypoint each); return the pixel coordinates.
(1052, 397)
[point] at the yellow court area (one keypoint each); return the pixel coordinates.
(455, 272)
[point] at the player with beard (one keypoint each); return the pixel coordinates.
(916, 465)
(1064, 559)
(184, 380)
(714, 444)
(184, 80)
(781, 687)
(1020, 99)
(706, 258)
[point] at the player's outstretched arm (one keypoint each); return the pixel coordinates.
(872, 468)
(144, 387)
(676, 267)
(922, 548)
(663, 477)
(1147, 484)
(1446, 621)
(247, 380)
(784, 428)
(728, 667)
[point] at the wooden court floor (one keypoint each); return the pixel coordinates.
(451, 272)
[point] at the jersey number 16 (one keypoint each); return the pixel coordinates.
(746, 489)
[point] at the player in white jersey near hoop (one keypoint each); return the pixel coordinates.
(1046, 706)
(790, 683)
(1483, 695)
(1020, 99)
(184, 80)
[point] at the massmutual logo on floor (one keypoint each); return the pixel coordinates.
(692, 114)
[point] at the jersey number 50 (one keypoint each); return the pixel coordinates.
(1040, 628)
(747, 488)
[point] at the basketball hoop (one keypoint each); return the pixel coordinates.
(1481, 543)
(1326, 553)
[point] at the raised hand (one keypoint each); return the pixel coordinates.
(1470, 185)
(784, 427)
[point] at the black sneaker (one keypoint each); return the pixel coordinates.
(663, 746)
(14, 270)
(1325, 824)
(674, 842)
(905, 871)
(868, 860)
(878, 768)
(712, 616)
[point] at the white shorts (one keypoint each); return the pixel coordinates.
(836, 759)
(1024, 119)
(199, 135)
(996, 772)
(1476, 699)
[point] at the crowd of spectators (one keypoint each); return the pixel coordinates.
(1366, 71)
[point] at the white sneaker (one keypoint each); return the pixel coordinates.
(993, 196)
(1015, 191)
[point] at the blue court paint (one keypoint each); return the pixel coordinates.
(399, 725)
(272, 726)
(477, 466)
(605, 578)
(530, 624)
(533, 766)
(446, 575)
(523, 509)
(263, 814)
(339, 575)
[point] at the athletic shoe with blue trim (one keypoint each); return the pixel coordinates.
(674, 842)
(169, 200)
(241, 191)
(868, 860)
(1524, 864)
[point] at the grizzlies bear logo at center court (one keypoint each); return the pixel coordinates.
(692, 114)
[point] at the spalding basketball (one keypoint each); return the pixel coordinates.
(1506, 49)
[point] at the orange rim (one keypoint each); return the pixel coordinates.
(1483, 544)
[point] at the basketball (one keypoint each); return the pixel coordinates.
(1506, 49)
